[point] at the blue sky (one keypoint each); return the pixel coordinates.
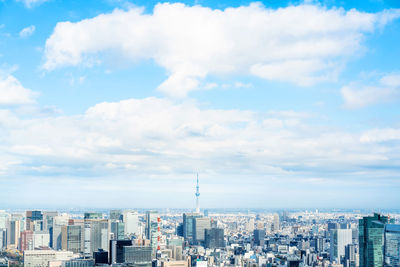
(276, 104)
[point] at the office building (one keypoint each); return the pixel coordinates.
(31, 217)
(92, 215)
(116, 250)
(276, 224)
(116, 215)
(117, 230)
(189, 225)
(340, 238)
(152, 224)
(72, 238)
(95, 235)
(138, 255)
(131, 221)
(259, 236)
(36, 258)
(349, 256)
(371, 240)
(78, 263)
(200, 225)
(26, 240)
(41, 239)
(214, 238)
(392, 245)
(13, 233)
(100, 257)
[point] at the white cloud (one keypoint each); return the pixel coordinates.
(13, 93)
(302, 44)
(359, 95)
(152, 137)
(380, 135)
(26, 32)
(32, 3)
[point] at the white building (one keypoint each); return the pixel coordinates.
(131, 221)
(41, 258)
(41, 239)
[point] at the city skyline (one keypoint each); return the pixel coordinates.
(275, 104)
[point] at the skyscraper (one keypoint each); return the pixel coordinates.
(189, 225)
(371, 240)
(214, 238)
(340, 238)
(152, 233)
(392, 245)
(131, 221)
(200, 225)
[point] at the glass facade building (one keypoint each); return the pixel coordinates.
(371, 240)
(392, 245)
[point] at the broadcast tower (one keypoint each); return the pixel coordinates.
(197, 194)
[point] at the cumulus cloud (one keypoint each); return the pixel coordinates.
(26, 32)
(13, 93)
(301, 44)
(357, 95)
(153, 137)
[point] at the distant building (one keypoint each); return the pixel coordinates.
(152, 227)
(93, 215)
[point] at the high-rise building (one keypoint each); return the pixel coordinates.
(214, 238)
(3, 239)
(26, 240)
(259, 236)
(200, 225)
(131, 221)
(371, 240)
(340, 238)
(41, 239)
(116, 215)
(13, 233)
(152, 228)
(118, 230)
(350, 256)
(31, 217)
(276, 224)
(392, 245)
(72, 238)
(95, 235)
(3, 219)
(189, 225)
(116, 250)
(48, 219)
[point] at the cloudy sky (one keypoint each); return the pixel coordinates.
(276, 104)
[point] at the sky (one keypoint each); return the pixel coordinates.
(275, 104)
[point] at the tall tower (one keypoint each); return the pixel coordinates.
(197, 194)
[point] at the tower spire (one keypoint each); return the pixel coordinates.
(197, 194)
